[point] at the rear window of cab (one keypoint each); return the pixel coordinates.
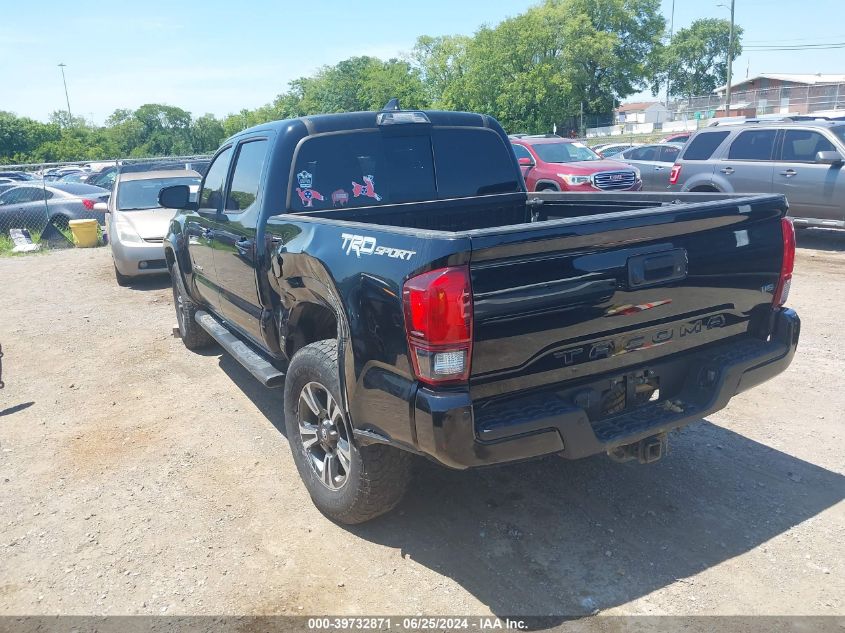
(373, 167)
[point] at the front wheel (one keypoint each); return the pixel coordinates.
(193, 336)
(122, 280)
(347, 483)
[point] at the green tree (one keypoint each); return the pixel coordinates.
(538, 68)
(443, 63)
(165, 130)
(21, 136)
(206, 134)
(696, 59)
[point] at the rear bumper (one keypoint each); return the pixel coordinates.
(457, 434)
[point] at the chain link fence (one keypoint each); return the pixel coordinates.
(692, 113)
(39, 200)
(785, 100)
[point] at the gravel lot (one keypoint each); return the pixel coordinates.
(137, 477)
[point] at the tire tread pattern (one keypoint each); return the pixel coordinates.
(384, 471)
(193, 336)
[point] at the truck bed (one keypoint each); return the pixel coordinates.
(505, 210)
(575, 291)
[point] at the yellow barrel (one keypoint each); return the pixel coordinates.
(85, 234)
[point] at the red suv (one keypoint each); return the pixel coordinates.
(559, 164)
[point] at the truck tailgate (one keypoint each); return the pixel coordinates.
(569, 299)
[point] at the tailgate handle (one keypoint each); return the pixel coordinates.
(657, 268)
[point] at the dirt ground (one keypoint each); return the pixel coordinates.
(138, 477)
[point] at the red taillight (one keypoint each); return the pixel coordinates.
(438, 322)
(787, 264)
(674, 174)
(88, 204)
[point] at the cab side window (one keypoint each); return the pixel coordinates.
(801, 146)
(211, 196)
(642, 153)
(753, 145)
(249, 165)
(668, 154)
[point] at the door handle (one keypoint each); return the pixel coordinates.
(727, 170)
(789, 173)
(655, 268)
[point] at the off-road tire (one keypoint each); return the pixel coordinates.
(379, 474)
(193, 336)
(122, 280)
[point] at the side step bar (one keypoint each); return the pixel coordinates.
(263, 371)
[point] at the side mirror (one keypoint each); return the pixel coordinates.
(526, 162)
(176, 197)
(101, 206)
(829, 158)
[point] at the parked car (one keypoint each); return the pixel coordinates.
(54, 174)
(803, 160)
(449, 313)
(612, 150)
(16, 175)
(74, 176)
(557, 164)
(679, 137)
(31, 206)
(654, 162)
(136, 224)
(104, 178)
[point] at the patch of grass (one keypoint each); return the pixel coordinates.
(7, 244)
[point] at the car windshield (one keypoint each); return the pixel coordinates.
(839, 132)
(136, 195)
(564, 152)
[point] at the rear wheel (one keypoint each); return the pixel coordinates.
(193, 336)
(347, 483)
(61, 222)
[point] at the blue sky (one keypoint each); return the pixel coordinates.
(220, 57)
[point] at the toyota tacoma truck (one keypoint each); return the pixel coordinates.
(390, 271)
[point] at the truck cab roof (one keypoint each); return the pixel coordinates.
(351, 121)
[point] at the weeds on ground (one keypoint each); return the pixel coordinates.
(7, 244)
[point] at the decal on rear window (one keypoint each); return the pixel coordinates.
(340, 198)
(307, 194)
(368, 189)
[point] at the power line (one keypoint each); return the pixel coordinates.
(817, 47)
(796, 39)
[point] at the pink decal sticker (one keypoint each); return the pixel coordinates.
(368, 189)
(306, 194)
(340, 198)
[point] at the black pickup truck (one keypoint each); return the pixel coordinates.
(390, 270)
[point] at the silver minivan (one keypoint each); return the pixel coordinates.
(805, 160)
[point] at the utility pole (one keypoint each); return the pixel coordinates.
(671, 35)
(730, 63)
(581, 132)
(67, 99)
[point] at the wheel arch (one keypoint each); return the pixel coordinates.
(547, 185)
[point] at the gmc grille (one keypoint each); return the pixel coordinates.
(613, 180)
